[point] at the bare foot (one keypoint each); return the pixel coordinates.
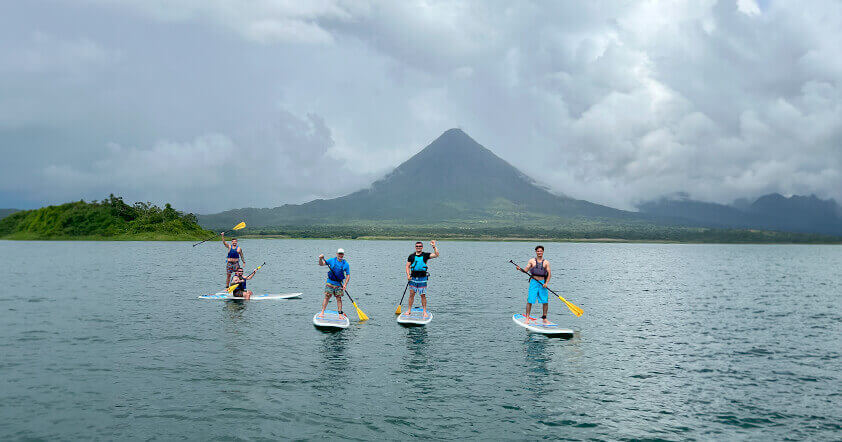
(322, 314)
(425, 314)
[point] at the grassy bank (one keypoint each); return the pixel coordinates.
(110, 220)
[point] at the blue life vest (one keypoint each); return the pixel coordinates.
(232, 252)
(419, 265)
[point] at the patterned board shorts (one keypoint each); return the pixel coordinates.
(232, 267)
(418, 285)
(333, 290)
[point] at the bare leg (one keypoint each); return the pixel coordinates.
(424, 303)
(409, 303)
(227, 279)
(546, 307)
(324, 305)
(528, 309)
(339, 303)
(247, 294)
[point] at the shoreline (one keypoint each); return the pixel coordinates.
(603, 240)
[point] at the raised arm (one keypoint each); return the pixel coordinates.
(322, 261)
(435, 253)
(223, 240)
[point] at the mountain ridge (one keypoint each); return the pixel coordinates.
(796, 213)
(452, 178)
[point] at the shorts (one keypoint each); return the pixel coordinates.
(418, 285)
(232, 267)
(537, 293)
(238, 293)
(333, 290)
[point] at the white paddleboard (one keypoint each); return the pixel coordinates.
(537, 325)
(415, 317)
(331, 320)
(225, 296)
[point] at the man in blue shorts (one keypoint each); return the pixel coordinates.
(416, 274)
(338, 276)
(539, 268)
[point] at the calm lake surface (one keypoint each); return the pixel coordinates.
(105, 340)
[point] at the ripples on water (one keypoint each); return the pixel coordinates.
(107, 340)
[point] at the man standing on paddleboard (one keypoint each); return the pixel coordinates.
(416, 274)
(338, 276)
(233, 259)
(539, 268)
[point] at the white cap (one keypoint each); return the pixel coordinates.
(340, 251)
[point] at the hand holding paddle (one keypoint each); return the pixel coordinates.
(573, 308)
(242, 225)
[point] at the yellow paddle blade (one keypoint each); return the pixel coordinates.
(573, 307)
(231, 289)
(242, 225)
(360, 313)
(398, 310)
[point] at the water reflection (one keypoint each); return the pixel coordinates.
(334, 360)
(535, 352)
(416, 343)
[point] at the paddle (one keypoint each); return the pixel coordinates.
(231, 289)
(573, 308)
(360, 313)
(398, 310)
(242, 225)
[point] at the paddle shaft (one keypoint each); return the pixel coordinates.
(404, 292)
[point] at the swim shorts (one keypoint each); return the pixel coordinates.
(333, 290)
(232, 267)
(537, 293)
(418, 285)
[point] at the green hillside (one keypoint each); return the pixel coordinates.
(456, 188)
(109, 219)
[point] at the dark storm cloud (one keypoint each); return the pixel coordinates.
(213, 105)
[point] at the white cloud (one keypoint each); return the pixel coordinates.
(612, 102)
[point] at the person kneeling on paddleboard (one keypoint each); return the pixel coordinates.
(240, 291)
(539, 268)
(338, 276)
(416, 274)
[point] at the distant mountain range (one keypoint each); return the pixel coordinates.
(6, 212)
(803, 214)
(455, 183)
(454, 178)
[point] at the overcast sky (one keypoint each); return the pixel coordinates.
(213, 104)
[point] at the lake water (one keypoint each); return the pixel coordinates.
(105, 340)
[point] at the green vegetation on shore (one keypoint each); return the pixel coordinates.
(570, 232)
(109, 219)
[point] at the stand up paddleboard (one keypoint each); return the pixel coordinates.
(225, 296)
(415, 318)
(331, 320)
(537, 325)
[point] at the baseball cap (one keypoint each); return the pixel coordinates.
(340, 251)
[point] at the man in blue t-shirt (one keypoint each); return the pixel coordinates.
(338, 275)
(416, 274)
